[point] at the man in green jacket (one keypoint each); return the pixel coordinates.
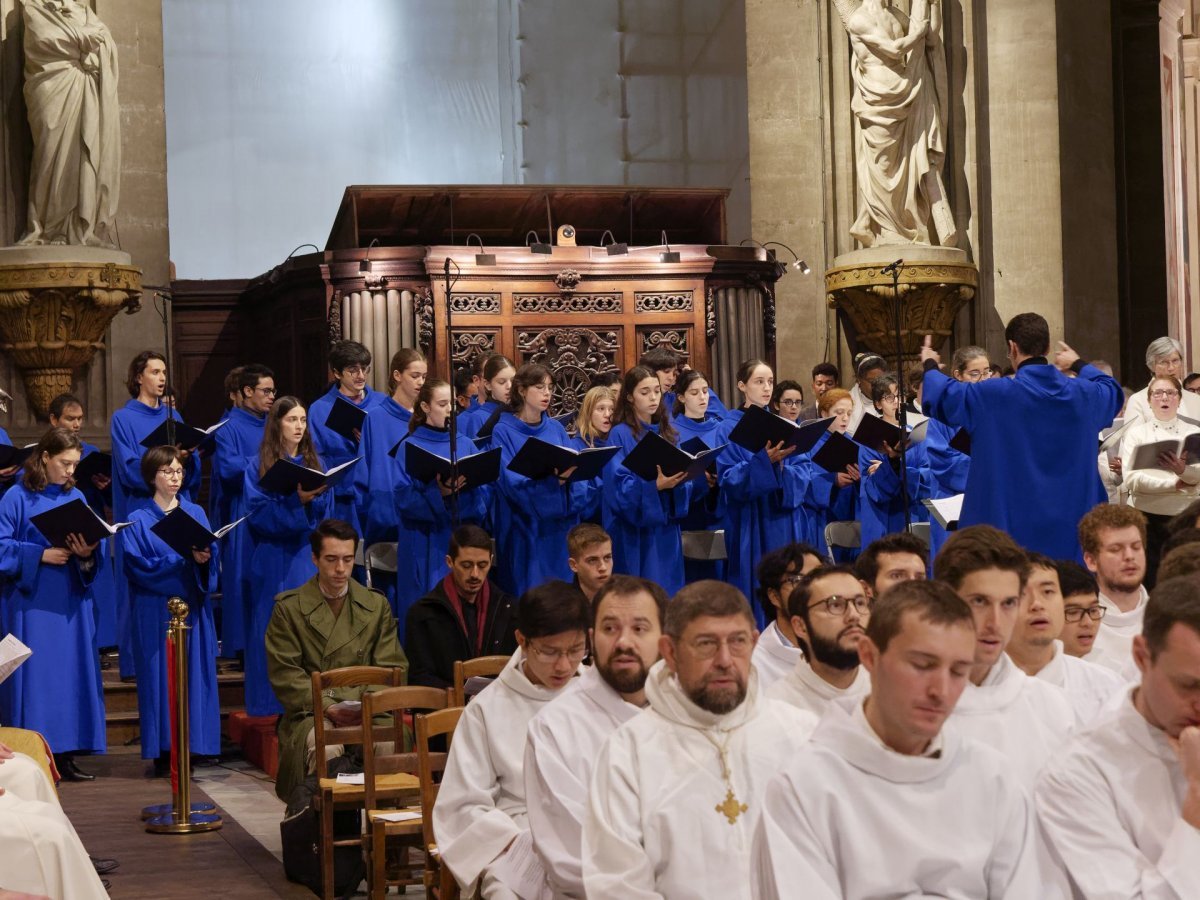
(328, 622)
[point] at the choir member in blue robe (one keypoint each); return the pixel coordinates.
(666, 363)
(157, 573)
(643, 516)
(351, 365)
(949, 466)
(706, 512)
(749, 481)
(831, 497)
(498, 374)
(787, 520)
(532, 516)
(146, 382)
(218, 504)
(238, 441)
(1033, 438)
(428, 509)
(881, 501)
(592, 427)
(279, 526)
(46, 603)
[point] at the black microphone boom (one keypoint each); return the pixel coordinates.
(894, 268)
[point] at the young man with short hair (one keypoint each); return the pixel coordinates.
(1024, 718)
(1038, 652)
(1113, 539)
(590, 557)
(1121, 803)
(776, 652)
(892, 559)
(481, 812)
(824, 376)
(830, 609)
(566, 736)
(888, 799)
(1082, 611)
(677, 789)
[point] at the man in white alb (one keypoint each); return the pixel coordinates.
(776, 651)
(830, 609)
(1113, 539)
(677, 789)
(566, 736)
(1121, 803)
(480, 813)
(888, 799)
(1026, 719)
(1036, 649)
(892, 559)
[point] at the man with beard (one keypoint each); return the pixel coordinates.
(1024, 718)
(566, 736)
(1038, 652)
(776, 651)
(1113, 539)
(888, 799)
(830, 609)
(676, 790)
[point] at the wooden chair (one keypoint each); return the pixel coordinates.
(395, 701)
(439, 881)
(330, 794)
(482, 666)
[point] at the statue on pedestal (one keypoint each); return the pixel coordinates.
(899, 105)
(71, 98)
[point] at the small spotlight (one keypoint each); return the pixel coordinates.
(482, 258)
(668, 255)
(364, 265)
(802, 267)
(613, 248)
(536, 246)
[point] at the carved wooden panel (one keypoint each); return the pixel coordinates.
(423, 313)
(677, 339)
(563, 303)
(662, 301)
(574, 355)
(469, 344)
(476, 304)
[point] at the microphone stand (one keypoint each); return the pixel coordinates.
(168, 392)
(453, 420)
(901, 401)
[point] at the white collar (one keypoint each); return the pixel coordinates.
(667, 698)
(817, 685)
(859, 717)
(1003, 684)
(1114, 612)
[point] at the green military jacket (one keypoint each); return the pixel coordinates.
(303, 637)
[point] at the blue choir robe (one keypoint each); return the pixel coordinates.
(104, 588)
(473, 419)
(279, 526)
(881, 505)
(948, 469)
(643, 521)
(716, 409)
(591, 491)
(787, 518)
(218, 505)
(375, 481)
(706, 512)
(156, 573)
(238, 442)
(748, 481)
(426, 523)
(335, 449)
(57, 691)
(825, 502)
(1033, 449)
(127, 427)
(10, 480)
(532, 517)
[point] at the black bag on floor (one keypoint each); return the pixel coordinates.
(300, 832)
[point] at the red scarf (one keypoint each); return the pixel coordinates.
(481, 606)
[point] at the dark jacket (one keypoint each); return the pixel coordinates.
(435, 640)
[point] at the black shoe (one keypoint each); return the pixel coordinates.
(162, 766)
(103, 866)
(69, 771)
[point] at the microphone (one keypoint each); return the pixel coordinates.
(894, 268)
(446, 267)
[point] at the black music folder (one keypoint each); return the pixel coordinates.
(653, 452)
(75, 517)
(872, 432)
(186, 437)
(14, 456)
(837, 453)
(759, 427)
(697, 446)
(183, 534)
(345, 418)
(961, 441)
(478, 468)
(95, 463)
(285, 476)
(538, 459)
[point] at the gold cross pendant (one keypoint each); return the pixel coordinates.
(730, 808)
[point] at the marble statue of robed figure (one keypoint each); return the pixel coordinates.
(899, 105)
(71, 97)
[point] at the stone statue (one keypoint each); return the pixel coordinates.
(71, 97)
(899, 106)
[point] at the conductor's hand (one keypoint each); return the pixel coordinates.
(77, 545)
(927, 351)
(1065, 357)
(201, 556)
(776, 453)
(306, 496)
(56, 556)
(668, 482)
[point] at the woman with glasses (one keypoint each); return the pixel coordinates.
(1164, 359)
(881, 500)
(156, 573)
(696, 426)
(1164, 491)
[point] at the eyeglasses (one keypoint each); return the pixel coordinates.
(268, 392)
(1164, 393)
(740, 644)
(357, 370)
(793, 579)
(795, 403)
(171, 473)
(1076, 613)
(837, 606)
(976, 374)
(552, 655)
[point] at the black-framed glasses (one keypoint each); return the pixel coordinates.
(793, 403)
(1076, 613)
(357, 370)
(266, 392)
(837, 606)
(1162, 392)
(793, 579)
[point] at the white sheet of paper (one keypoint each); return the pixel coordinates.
(946, 510)
(12, 654)
(355, 778)
(400, 816)
(520, 870)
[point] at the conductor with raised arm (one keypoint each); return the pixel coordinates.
(1032, 436)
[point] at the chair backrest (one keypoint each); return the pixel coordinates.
(843, 534)
(350, 676)
(429, 763)
(395, 701)
(920, 530)
(470, 668)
